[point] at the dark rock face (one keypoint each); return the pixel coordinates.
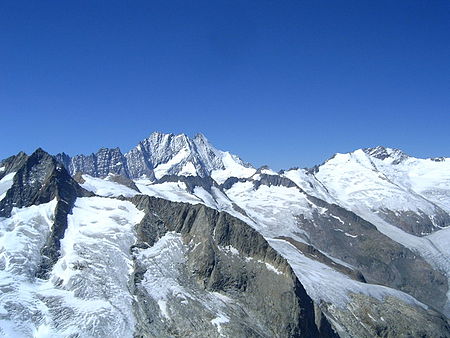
(416, 223)
(111, 161)
(124, 181)
(40, 179)
(13, 163)
(348, 237)
(65, 160)
(229, 182)
(383, 153)
(264, 179)
(191, 182)
(278, 181)
(278, 302)
(105, 161)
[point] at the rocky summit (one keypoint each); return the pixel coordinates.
(176, 238)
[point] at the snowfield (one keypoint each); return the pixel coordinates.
(87, 292)
(21, 238)
(5, 183)
(103, 187)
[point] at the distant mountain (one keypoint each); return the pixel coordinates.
(413, 194)
(160, 155)
(178, 238)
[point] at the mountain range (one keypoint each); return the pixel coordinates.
(176, 238)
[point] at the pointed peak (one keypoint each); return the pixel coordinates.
(39, 152)
(19, 155)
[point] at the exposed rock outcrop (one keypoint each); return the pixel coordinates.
(227, 256)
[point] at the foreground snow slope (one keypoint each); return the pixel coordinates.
(88, 290)
(22, 236)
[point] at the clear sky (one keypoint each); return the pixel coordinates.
(283, 83)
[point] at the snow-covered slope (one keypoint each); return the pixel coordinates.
(106, 188)
(95, 269)
(429, 178)
(21, 239)
(87, 292)
(390, 183)
(5, 183)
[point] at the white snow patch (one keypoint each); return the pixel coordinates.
(219, 320)
(338, 218)
(103, 187)
(273, 269)
(270, 207)
(164, 168)
(350, 235)
(222, 297)
(233, 168)
(359, 179)
(172, 191)
(205, 197)
(5, 184)
(22, 235)
(308, 183)
(267, 171)
(230, 249)
(188, 170)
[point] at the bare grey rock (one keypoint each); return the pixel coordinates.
(267, 303)
(12, 163)
(381, 260)
(105, 161)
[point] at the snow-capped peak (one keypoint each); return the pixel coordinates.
(158, 155)
(168, 154)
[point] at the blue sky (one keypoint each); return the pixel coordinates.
(283, 83)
